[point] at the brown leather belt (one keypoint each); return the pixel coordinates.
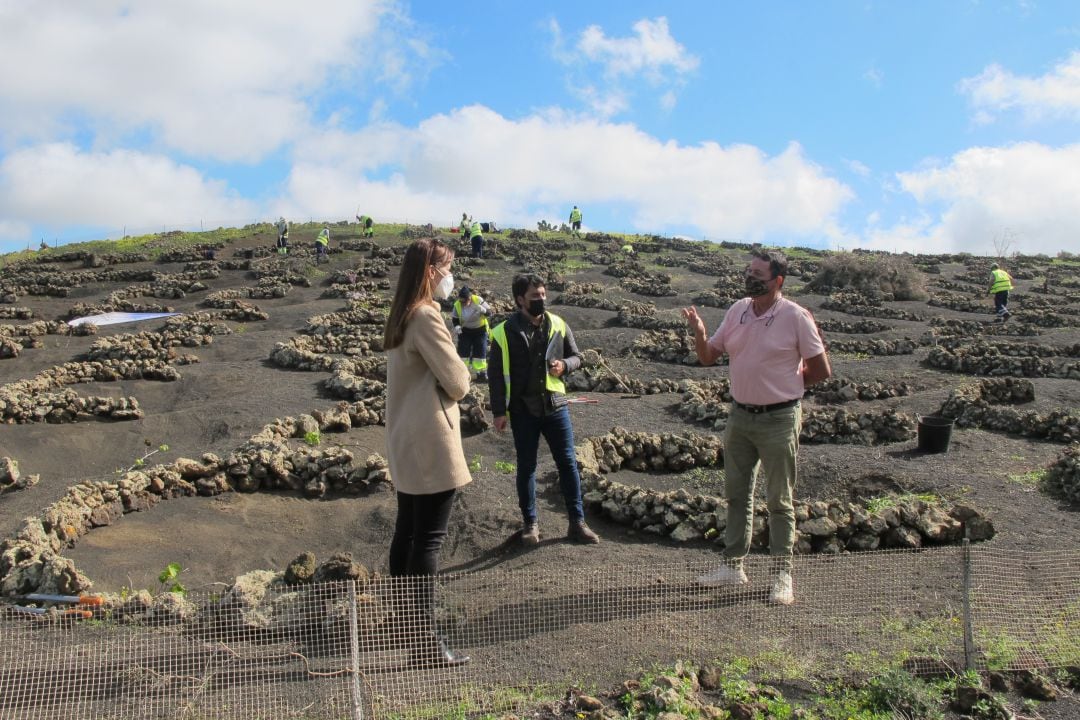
(758, 409)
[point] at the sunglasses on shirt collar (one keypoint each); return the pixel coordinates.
(769, 317)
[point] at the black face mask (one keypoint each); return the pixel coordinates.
(755, 287)
(536, 307)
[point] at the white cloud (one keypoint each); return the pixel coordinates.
(232, 81)
(1054, 94)
(858, 168)
(651, 55)
(1029, 188)
(57, 185)
(651, 51)
(478, 161)
(875, 77)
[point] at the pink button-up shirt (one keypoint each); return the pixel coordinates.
(766, 352)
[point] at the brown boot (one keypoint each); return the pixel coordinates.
(580, 533)
(530, 534)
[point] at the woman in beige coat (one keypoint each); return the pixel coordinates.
(424, 380)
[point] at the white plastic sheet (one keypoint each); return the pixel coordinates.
(115, 318)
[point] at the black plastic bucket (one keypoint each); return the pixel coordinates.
(934, 433)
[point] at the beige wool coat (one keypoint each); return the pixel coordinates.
(424, 380)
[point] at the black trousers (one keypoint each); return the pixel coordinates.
(419, 533)
(421, 528)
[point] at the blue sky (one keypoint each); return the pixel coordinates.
(917, 126)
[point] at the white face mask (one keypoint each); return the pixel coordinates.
(445, 287)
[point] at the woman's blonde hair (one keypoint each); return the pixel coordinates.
(413, 287)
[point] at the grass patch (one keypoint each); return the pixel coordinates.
(1031, 479)
(884, 502)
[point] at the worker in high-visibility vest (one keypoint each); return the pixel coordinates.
(322, 245)
(575, 220)
(464, 226)
(531, 353)
(470, 319)
(367, 225)
(282, 236)
(1000, 285)
(476, 234)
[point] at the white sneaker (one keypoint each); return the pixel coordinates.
(782, 591)
(724, 575)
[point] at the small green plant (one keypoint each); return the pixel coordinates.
(170, 579)
(313, 438)
(476, 464)
(506, 468)
(141, 462)
(1033, 478)
(890, 501)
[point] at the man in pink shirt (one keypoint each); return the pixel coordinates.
(775, 352)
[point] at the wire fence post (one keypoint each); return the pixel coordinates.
(969, 644)
(354, 652)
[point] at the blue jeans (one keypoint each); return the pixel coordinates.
(1001, 302)
(559, 434)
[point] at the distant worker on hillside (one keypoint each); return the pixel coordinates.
(463, 228)
(470, 318)
(322, 246)
(476, 234)
(627, 249)
(575, 220)
(282, 236)
(775, 352)
(1000, 285)
(367, 225)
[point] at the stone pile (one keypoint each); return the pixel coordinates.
(706, 402)
(230, 309)
(356, 290)
(65, 406)
(415, 232)
(12, 479)
(960, 303)
(648, 451)
(1013, 349)
(669, 346)
(593, 288)
(83, 310)
(710, 264)
(30, 561)
(670, 261)
(854, 303)
(843, 427)
(651, 287)
(827, 527)
(940, 327)
(601, 302)
(16, 313)
(841, 390)
(1063, 476)
(859, 327)
(980, 405)
(960, 287)
(896, 346)
(622, 267)
(1047, 319)
(645, 317)
(187, 332)
(346, 386)
(365, 269)
(717, 298)
(983, 359)
(599, 380)
(34, 400)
